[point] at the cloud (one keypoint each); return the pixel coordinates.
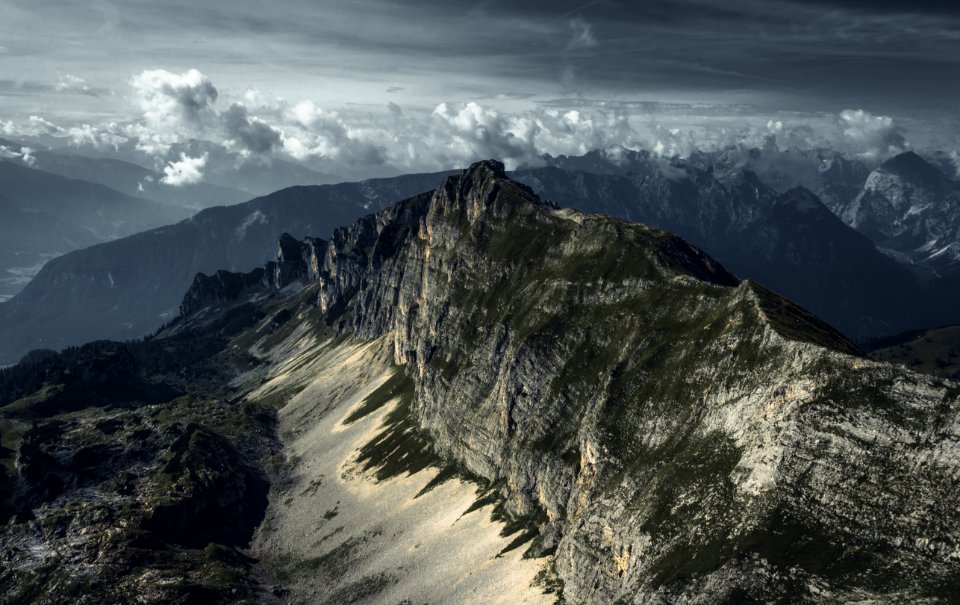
(251, 134)
(470, 131)
(24, 154)
(955, 158)
(186, 126)
(72, 83)
(187, 171)
(321, 134)
(251, 219)
(40, 124)
(872, 136)
(581, 35)
(173, 105)
(107, 135)
(476, 131)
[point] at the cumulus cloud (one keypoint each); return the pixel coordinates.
(476, 130)
(872, 136)
(72, 83)
(110, 134)
(24, 154)
(187, 171)
(173, 105)
(250, 134)
(184, 119)
(41, 125)
(321, 134)
(470, 131)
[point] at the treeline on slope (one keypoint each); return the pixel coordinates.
(104, 372)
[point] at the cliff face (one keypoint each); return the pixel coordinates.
(679, 435)
(810, 256)
(656, 429)
(296, 262)
(127, 288)
(909, 206)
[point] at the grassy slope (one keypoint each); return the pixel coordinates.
(933, 352)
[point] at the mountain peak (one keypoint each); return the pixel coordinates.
(483, 188)
(491, 167)
(913, 167)
(800, 199)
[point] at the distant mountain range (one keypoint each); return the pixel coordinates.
(474, 396)
(44, 215)
(790, 242)
(130, 179)
(912, 209)
(742, 206)
(128, 287)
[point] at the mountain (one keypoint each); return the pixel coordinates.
(911, 208)
(106, 292)
(474, 395)
(791, 242)
(28, 239)
(801, 249)
(129, 287)
(934, 351)
(43, 215)
(131, 179)
(102, 211)
(835, 178)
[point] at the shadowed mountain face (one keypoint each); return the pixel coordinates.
(44, 215)
(934, 351)
(129, 287)
(137, 181)
(104, 212)
(790, 242)
(647, 427)
(910, 207)
(802, 250)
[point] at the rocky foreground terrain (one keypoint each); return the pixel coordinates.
(476, 396)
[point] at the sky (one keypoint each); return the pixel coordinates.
(367, 87)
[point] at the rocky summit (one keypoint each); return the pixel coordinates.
(477, 396)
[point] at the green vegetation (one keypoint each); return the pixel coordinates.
(398, 386)
(934, 352)
(145, 446)
(401, 447)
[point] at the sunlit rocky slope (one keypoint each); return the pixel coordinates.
(638, 423)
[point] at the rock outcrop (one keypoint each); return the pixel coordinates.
(683, 436)
(297, 262)
(666, 432)
(910, 207)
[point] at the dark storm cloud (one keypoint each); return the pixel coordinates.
(339, 80)
(824, 52)
(251, 134)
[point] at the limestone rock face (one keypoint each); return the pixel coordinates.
(296, 260)
(220, 287)
(686, 437)
(909, 206)
(674, 434)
